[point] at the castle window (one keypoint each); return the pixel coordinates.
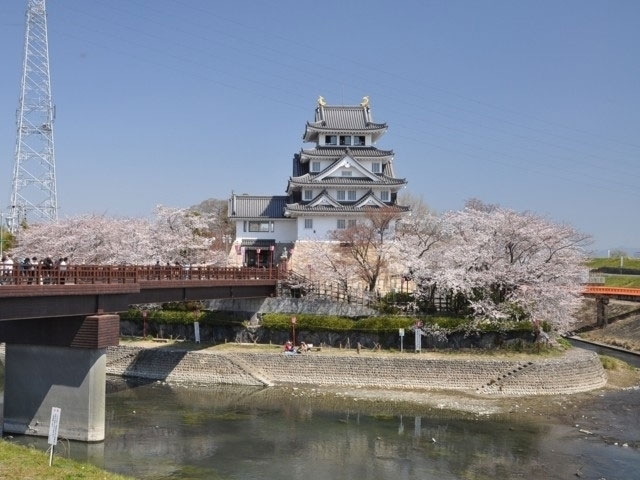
(375, 167)
(308, 223)
(384, 195)
(359, 140)
(342, 224)
(341, 195)
(345, 140)
(330, 140)
(351, 195)
(308, 194)
(315, 166)
(352, 223)
(347, 173)
(258, 226)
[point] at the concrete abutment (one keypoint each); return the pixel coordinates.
(66, 369)
(40, 377)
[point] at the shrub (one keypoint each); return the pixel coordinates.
(610, 363)
(178, 317)
(328, 323)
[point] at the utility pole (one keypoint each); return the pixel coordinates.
(33, 192)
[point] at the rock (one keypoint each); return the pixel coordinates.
(585, 431)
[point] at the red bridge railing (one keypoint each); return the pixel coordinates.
(107, 274)
(591, 290)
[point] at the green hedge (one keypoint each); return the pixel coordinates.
(384, 324)
(177, 317)
(328, 323)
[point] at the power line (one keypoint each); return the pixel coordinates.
(608, 166)
(297, 106)
(300, 43)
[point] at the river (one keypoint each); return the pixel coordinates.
(160, 431)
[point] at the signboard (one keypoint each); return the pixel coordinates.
(294, 320)
(258, 250)
(272, 248)
(401, 332)
(196, 330)
(418, 339)
(53, 426)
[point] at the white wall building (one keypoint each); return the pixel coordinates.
(332, 186)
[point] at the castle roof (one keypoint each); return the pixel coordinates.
(337, 152)
(257, 206)
(343, 119)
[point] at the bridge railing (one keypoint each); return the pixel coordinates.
(625, 291)
(108, 274)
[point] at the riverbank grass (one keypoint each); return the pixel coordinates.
(17, 461)
(626, 281)
(619, 374)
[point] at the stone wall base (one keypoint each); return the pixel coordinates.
(575, 371)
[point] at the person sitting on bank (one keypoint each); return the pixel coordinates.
(303, 348)
(288, 347)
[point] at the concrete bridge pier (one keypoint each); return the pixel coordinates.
(601, 311)
(40, 377)
(69, 374)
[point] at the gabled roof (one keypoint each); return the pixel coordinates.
(342, 118)
(253, 206)
(323, 198)
(348, 117)
(294, 209)
(309, 179)
(371, 200)
(324, 153)
(346, 161)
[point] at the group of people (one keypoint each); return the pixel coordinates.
(291, 349)
(10, 268)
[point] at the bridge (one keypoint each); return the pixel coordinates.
(58, 322)
(603, 295)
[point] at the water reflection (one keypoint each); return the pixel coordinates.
(157, 431)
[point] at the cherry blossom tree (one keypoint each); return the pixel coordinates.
(368, 245)
(325, 263)
(171, 235)
(507, 264)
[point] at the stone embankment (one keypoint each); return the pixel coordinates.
(251, 306)
(575, 371)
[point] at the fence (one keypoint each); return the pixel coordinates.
(297, 285)
(93, 274)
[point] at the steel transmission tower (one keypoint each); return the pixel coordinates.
(33, 193)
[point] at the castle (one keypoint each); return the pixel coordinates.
(332, 186)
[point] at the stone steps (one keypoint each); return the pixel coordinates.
(494, 385)
(253, 371)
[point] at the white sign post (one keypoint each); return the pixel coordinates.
(196, 329)
(401, 333)
(418, 336)
(53, 431)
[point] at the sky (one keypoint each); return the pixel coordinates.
(534, 105)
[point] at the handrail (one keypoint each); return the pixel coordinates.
(591, 290)
(99, 274)
(332, 290)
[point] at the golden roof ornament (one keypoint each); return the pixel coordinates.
(321, 101)
(365, 102)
